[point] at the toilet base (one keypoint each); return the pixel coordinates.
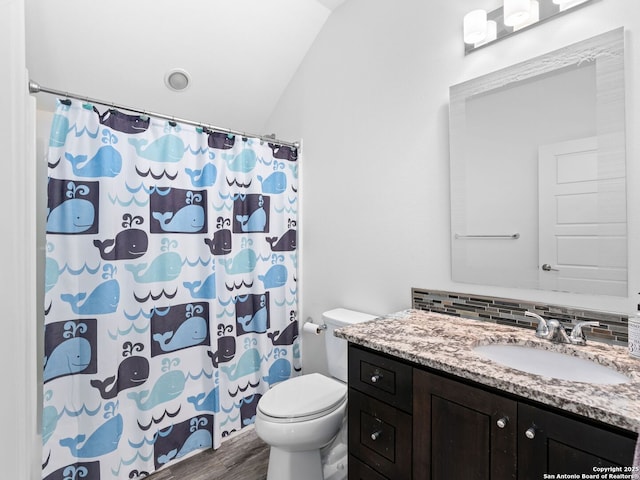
(285, 465)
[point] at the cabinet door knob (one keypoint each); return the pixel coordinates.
(530, 433)
(375, 378)
(375, 435)
(502, 422)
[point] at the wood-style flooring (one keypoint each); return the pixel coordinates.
(243, 457)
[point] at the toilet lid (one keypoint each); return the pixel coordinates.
(306, 396)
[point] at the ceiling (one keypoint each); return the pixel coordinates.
(240, 54)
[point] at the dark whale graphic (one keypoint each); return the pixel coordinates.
(287, 337)
(226, 351)
(286, 243)
(127, 245)
(221, 141)
(284, 153)
(132, 372)
(122, 122)
(220, 244)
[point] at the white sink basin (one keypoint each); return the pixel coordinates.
(550, 364)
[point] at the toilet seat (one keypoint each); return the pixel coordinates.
(302, 398)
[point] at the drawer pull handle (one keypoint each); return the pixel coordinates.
(375, 435)
(502, 422)
(530, 433)
(375, 378)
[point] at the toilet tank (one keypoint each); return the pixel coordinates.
(337, 347)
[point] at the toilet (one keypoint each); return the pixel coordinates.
(302, 417)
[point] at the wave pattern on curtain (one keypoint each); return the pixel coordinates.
(171, 298)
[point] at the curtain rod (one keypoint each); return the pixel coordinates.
(34, 87)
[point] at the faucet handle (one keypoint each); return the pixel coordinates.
(577, 335)
(543, 329)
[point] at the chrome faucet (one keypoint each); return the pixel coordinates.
(554, 331)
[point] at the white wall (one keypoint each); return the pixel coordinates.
(20, 444)
(370, 101)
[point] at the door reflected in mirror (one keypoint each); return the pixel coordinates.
(538, 195)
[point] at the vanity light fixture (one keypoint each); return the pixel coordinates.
(475, 26)
(564, 4)
(482, 28)
(534, 16)
(516, 12)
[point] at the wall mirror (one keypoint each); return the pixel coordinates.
(538, 187)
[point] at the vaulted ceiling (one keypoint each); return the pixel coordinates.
(240, 54)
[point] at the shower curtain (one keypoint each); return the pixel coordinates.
(170, 296)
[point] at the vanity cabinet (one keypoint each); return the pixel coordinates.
(410, 422)
(379, 417)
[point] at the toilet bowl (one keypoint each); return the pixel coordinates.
(300, 417)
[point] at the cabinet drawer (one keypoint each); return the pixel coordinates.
(381, 377)
(380, 435)
(360, 471)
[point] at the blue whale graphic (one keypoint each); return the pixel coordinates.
(249, 363)
(107, 162)
(207, 289)
(59, 130)
(128, 244)
(50, 417)
(104, 299)
(72, 216)
(254, 222)
(191, 332)
(244, 262)
(275, 277)
(279, 371)
(164, 268)
(196, 441)
(51, 273)
(132, 372)
(243, 162)
(275, 183)
(104, 440)
(168, 148)
(256, 323)
(203, 178)
(69, 357)
(209, 403)
(169, 386)
(189, 219)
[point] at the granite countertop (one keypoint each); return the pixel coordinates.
(445, 343)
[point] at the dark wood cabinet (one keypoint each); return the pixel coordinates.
(554, 443)
(410, 422)
(379, 418)
(461, 432)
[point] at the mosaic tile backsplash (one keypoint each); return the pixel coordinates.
(505, 311)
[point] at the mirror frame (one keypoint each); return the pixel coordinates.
(607, 51)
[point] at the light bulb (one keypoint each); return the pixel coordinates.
(475, 26)
(516, 12)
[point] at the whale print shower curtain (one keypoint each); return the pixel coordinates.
(171, 296)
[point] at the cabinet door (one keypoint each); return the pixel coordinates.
(461, 432)
(562, 444)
